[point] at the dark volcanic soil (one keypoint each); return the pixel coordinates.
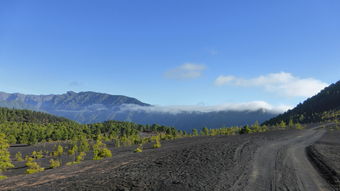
(267, 161)
(325, 155)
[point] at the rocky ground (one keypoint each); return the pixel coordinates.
(268, 161)
(325, 155)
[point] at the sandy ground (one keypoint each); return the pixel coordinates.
(274, 160)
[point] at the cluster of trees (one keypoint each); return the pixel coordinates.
(32, 133)
(254, 128)
(16, 115)
(313, 109)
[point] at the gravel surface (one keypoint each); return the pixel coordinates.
(268, 161)
(325, 155)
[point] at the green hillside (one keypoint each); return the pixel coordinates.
(321, 107)
(17, 115)
(30, 127)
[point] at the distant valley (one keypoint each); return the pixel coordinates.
(90, 107)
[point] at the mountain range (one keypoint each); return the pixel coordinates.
(90, 107)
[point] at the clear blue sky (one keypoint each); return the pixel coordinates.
(171, 52)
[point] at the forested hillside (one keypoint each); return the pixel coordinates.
(30, 127)
(16, 115)
(321, 107)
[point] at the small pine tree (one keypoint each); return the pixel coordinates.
(245, 130)
(55, 163)
(205, 131)
(157, 142)
(256, 127)
(194, 132)
(5, 160)
(291, 124)
(33, 167)
(73, 151)
(80, 157)
(37, 155)
(84, 145)
(139, 149)
(299, 126)
(282, 125)
(18, 156)
(100, 150)
(59, 151)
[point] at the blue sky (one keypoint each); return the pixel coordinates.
(185, 52)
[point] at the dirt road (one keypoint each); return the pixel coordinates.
(283, 165)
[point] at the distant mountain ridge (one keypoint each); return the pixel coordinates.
(90, 107)
(320, 107)
(69, 101)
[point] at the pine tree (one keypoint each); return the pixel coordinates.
(100, 150)
(18, 156)
(33, 167)
(5, 160)
(291, 124)
(194, 132)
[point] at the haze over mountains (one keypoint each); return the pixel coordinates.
(89, 107)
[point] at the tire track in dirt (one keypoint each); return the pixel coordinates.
(283, 165)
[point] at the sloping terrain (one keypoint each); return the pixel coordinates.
(284, 165)
(267, 161)
(325, 155)
(321, 107)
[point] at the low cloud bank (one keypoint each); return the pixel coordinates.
(248, 106)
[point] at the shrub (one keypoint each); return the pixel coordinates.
(5, 160)
(33, 167)
(73, 150)
(157, 142)
(2, 177)
(245, 130)
(37, 155)
(81, 156)
(139, 149)
(194, 132)
(55, 163)
(18, 156)
(100, 150)
(59, 151)
(299, 126)
(84, 145)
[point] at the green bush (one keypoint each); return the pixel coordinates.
(5, 160)
(59, 151)
(18, 156)
(33, 167)
(37, 155)
(100, 150)
(139, 149)
(157, 142)
(80, 157)
(55, 163)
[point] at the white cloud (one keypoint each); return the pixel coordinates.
(186, 71)
(247, 106)
(280, 83)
